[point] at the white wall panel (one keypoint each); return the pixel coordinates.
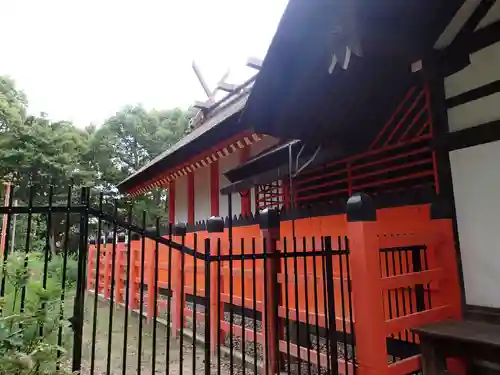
(225, 164)
(202, 193)
(181, 207)
(484, 69)
(476, 184)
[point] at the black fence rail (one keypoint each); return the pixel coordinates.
(105, 295)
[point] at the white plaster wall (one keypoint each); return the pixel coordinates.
(181, 206)
(202, 193)
(476, 183)
(484, 69)
(229, 162)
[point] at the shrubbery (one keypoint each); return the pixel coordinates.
(33, 314)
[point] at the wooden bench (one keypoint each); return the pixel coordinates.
(470, 340)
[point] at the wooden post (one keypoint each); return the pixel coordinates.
(3, 239)
(120, 248)
(91, 264)
(107, 266)
(151, 262)
(215, 225)
(132, 285)
(371, 349)
(214, 188)
(171, 201)
(270, 230)
(446, 256)
(190, 197)
(246, 201)
(178, 297)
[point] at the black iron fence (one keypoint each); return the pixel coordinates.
(146, 299)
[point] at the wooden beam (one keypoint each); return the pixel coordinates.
(474, 20)
(477, 135)
(190, 198)
(214, 188)
(228, 87)
(201, 79)
(171, 201)
(204, 106)
(254, 63)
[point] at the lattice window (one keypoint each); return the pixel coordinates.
(273, 195)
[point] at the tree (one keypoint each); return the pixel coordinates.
(35, 150)
(13, 104)
(128, 141)
(41, 152)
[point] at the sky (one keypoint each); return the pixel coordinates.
(82, 60)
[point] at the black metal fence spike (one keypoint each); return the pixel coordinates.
(150, 231)
(180, 229)
(360, 207)
(215, 224)
(190, 227)
(121, 237)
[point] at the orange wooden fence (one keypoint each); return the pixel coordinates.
(378, 287)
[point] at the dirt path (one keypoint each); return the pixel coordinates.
(132, 353)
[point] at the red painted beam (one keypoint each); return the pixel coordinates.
(214, 188)
(246, 204)
(190, 192)
(171, 201)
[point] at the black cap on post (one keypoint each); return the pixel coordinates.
(135, 237)
(121, 237)
(360, 207)
(180, 229)
(150, 231)
(215, 224)
(269, 218)
(441, 208)
(109, 239)
(92, 241)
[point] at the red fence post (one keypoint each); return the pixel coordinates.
(3, 234)
(215, 225)
(107, 266)
(91, 264)
(371, 349)
(270, 230)
(120, 247)
(447, 258)
(178, 297)
(132, 274)
(151, 262)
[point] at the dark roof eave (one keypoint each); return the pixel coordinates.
(286, 81)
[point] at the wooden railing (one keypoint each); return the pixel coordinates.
(402, 269)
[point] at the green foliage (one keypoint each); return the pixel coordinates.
(36, 150)
(56, 270)
(12, 104)
(28, 336)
